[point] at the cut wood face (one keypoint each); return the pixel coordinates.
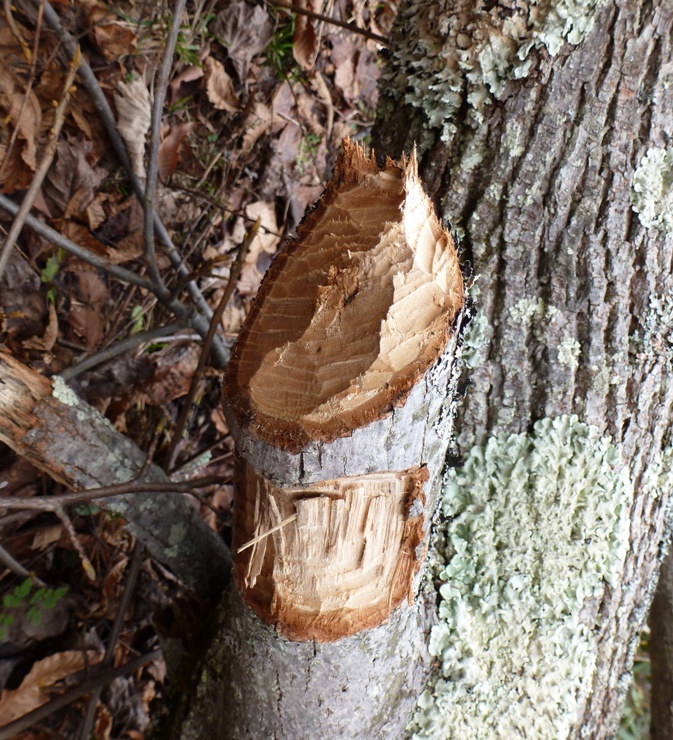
(331, 559)
(351, 314)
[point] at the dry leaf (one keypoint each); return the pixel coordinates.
(33, 691)
(220, 87)
(72, 183)
(256, 124)
(305, 39)
(16, 111)
(180, 82)
(171, 147)
(246, 30)
(267, 239)
(48, 340)
(46, 535)
(134, 114)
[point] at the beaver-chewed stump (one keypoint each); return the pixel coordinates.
(339, 397)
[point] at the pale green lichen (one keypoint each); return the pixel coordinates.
(62, 392)
(478, 333)
(655, 342)
(457, 51)
(535, 314)
(652, 190)
(176, 539)
(569, 352)
(537, 526)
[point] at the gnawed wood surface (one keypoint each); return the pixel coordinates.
(336, 396)
(341, 555)
(46, 423)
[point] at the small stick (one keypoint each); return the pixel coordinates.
(260, 537)
(67, 523)
(334, 22)
(45, 164)
(15, 567)
(135, 340)
(63, 242)
(129, 587)
(52, 503)
(234, 275)
(155, 139)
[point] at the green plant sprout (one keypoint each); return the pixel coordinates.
(49, 272)
(308, 148)
(279, 49)
(42, 600)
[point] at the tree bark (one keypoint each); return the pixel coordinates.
(48, 424)
(573, 283)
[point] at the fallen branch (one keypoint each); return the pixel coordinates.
(46, 423)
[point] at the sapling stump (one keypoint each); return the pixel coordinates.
(340, 396)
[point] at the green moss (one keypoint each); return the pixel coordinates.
(537, 528)
(453, 51)
(652, 190)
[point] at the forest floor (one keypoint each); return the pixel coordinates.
(258, 100)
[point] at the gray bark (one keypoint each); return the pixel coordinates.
(540, 189)
(74, 444)
(254, 683)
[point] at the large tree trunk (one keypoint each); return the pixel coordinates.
(532, 159)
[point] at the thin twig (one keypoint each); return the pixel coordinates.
(85, 255)
(160, 88)
(52, 503)
(45, 164)
(200, 324)
(7, 732)
(333, 22)
(129, 586)
(15, 567)
(234, 275)
(89, 570)
(118, 348)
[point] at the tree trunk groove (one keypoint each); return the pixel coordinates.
(532, 158)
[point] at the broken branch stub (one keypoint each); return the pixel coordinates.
(336, 395)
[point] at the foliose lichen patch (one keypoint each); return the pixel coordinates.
(652, 190)
(537, 527)
(458, 50)
(655, 341)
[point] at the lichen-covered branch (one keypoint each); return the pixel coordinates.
(47, 423)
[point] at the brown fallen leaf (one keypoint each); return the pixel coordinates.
(134, 113)
(34, 689)
(246, 30)
(46, 342)
(18, 111)
(72, 183)
(220, 87)
(171, 147)
(113, 39)
(180, 82)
